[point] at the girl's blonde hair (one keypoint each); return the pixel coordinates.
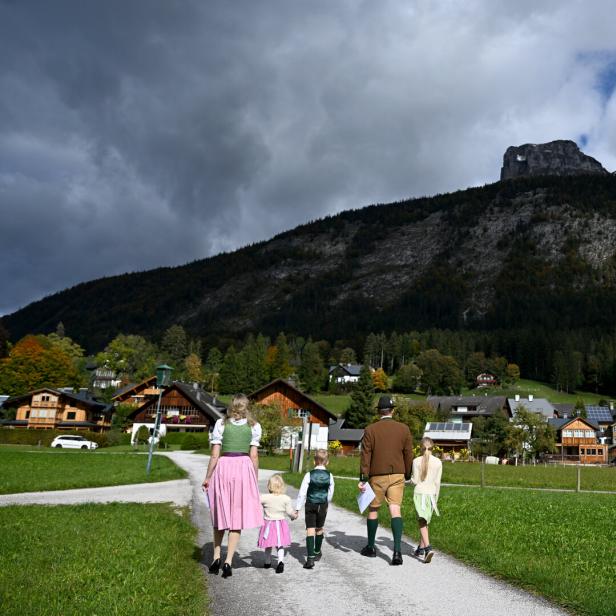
(239, 408)
(426, 448)
(276, 485)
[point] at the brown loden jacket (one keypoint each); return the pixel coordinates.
(386, 449)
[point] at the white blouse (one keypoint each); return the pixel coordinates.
(219, 428)
(432, 483)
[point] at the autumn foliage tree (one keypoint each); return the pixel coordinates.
(35, 362)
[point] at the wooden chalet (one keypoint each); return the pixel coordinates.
(136, 393)
(294, 405)
(577, 441)
(349, 438)
(58, 409)
(184, 407)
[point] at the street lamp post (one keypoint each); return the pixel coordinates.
(163, 378)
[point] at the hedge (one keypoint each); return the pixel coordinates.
(23, 436)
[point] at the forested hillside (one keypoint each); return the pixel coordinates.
(524, 268)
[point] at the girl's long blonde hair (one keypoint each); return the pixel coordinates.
(239, 408)
(426, 449)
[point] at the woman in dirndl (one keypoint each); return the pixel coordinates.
(231, 479)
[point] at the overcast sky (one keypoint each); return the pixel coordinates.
(139, 133)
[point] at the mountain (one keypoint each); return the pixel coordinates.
(533, 253)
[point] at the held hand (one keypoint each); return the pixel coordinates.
(361, 486)
(296, 515)
(206, 484)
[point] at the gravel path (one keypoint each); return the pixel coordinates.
(344, 582)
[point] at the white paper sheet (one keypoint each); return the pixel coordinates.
(365, 498)
(206, 498)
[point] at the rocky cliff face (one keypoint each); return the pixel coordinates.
(554, 158)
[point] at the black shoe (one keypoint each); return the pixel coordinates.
(309, 564)
(267, 566)
(397, 558)
(280, 568)
(226, 570)
(215, 567)
(428, 554)
(419, 552)
(317, 557)
(369, 551)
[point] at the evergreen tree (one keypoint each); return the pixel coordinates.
(280, 366)
(311, 371)
(212, 368)
(255, 358)
(4, 341)
(361, 409)
(230, 377)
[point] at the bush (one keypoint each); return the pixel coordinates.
(21, 436)
(117, 437)
(195, 440)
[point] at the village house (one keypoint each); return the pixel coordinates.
(344, 374)
(349, 438)
(541, 406)
(58, 409)
(577, 441)
(457, 408)
(136, 394)
(451, 437)
(184, 407)
(294, 406)
(485, 379)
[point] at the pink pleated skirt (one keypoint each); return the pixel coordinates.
(274, 534)
(233, 493)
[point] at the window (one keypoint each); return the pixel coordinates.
(590, 434)
(70, 415)
(27, 414)
(567, 433)
(578, 433)
(599, 451)
(582, 450)
(45, 398)
(301, 413)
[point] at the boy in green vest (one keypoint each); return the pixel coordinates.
(316, 492)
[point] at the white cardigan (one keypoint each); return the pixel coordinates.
(432, 483)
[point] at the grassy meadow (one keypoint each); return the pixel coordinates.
(99, 559)
(32, 470)
(559, 545)
(469, 473)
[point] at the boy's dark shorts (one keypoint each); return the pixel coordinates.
(315, 515)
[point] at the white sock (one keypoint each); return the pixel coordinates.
(280, 555)
(268, 556)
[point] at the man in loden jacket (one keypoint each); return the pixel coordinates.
(386, 461)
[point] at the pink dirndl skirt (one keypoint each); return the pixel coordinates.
(274, 534)
(233, 493)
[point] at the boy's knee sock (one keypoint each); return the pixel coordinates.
(372, 527)
(396, 529)
(318, 542)
(310, 546)
(280, 555)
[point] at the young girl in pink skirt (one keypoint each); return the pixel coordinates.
(231, 479)
(275, 531)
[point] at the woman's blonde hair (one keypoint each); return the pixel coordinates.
(239, 408)
(276, 485)
(426, 449)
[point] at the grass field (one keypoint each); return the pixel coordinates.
(562, 546)
(48, 469)
(99, 559)
(554, 477)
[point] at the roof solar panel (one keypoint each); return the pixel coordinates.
(599, 413)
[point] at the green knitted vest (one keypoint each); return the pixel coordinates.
(318, 486)
(236, 439)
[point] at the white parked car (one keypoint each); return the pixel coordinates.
(73, 442)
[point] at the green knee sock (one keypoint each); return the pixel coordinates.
(396, 529)
(310, 546)
(372, 527)
(318, 542)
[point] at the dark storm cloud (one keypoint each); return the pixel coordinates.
(145, 133)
